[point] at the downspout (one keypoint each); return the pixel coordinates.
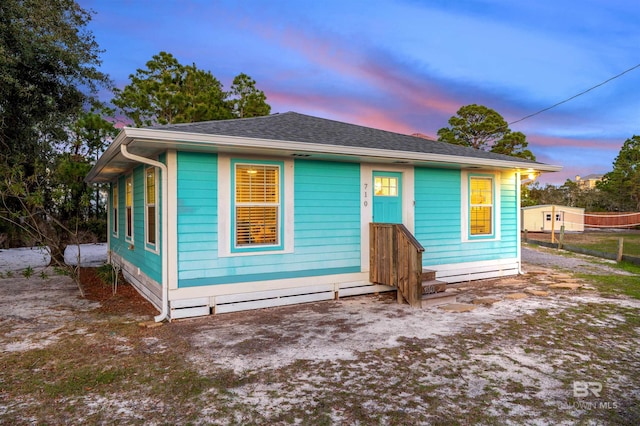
(519, 221)
(165, 228)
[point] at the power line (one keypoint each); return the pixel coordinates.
(575, 96)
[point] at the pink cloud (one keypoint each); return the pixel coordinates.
(416, 89)
(352, 110)
(405, 101)
(394, 81)
(374, 117)
(344, 108)
(605, 144)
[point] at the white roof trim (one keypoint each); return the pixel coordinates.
(134, 136)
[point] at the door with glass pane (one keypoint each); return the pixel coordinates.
(387, 197)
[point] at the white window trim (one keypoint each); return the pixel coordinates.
(133, 202)
(225, 234)
(464, 206)
(278, 205)
(152, 247)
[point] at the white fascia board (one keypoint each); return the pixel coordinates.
(131, 135)
(111, 151)
(235, 141)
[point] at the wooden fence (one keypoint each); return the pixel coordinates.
(612, 220)
(396, 260)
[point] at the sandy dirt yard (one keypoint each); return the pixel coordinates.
(523, 352)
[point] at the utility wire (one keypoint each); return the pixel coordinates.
(575, 96)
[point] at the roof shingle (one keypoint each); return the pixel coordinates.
(295, 127)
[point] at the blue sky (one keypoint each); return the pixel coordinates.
(407, 65)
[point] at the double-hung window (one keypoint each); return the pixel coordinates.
(481, 206)
(129, 207)
(150, 210)
(114, 203)
(257, 206)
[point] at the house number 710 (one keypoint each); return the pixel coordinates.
(365, 194)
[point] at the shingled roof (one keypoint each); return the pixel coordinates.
(295, 127)
(293, 134)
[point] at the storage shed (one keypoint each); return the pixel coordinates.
(544, 218)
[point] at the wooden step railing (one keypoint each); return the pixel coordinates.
(395, 259)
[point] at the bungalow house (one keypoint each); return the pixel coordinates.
(221, 216)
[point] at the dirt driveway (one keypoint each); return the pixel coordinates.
(526, 353)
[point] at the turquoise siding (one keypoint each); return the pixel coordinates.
(149, 262)
(326, 225)
(509, 216)
(197, 213)
(438, 219)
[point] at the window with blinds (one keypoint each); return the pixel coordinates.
(481, 205)
(150, 204)
(257, 204)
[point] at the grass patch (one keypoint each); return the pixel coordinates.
(628, 285)
(107, 358)
(85, 379)
(629, 267)
(406, 384)
(186, 383)
(27, 272)
(105, 369)
(608, 243)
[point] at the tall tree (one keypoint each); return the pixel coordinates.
(91, 133)
(167, 92)
(514, 144)
(536, 194)
(567, 194)
(479, 127)
(48, 71)
(48, 74)
(89, 136)
(248, 101)
(623, 182)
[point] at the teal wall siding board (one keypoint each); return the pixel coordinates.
(233, 279)
(197, 206)
(438, 219)
(437, 213)
(326, 225)
(510, 211)
(149, 262)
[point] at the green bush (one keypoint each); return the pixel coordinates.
(105, 273)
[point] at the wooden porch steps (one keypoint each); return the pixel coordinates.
(395, 259)
(428, 275)
(434, 292)
(433, 286)
(435, 299)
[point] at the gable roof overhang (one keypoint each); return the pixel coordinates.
(151, 142)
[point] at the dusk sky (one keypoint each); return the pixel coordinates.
(408, 66)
